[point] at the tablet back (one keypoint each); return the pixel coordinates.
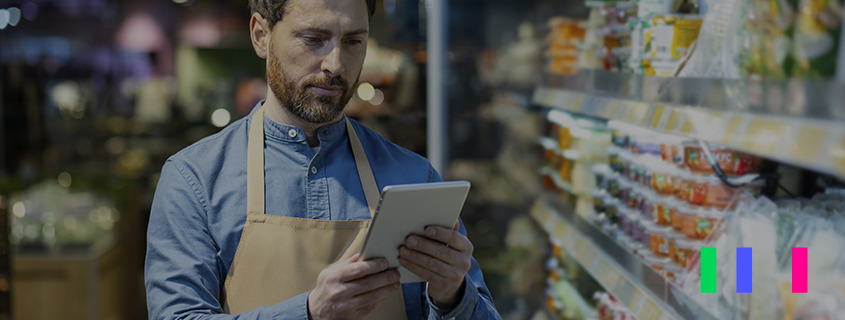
(407, 209)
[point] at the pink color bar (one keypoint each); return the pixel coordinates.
(799, 270)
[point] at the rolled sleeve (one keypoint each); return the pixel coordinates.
(181, 273)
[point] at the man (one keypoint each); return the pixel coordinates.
(263, 219)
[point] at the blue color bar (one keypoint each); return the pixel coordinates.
(743, 270)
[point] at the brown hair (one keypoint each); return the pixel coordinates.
(274, 10)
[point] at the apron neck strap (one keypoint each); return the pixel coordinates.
(255, 166)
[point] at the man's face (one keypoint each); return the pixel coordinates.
(316, 54)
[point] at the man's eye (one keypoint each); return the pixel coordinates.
(312, 40)
(354, 42)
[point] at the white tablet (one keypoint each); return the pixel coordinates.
(407, 209)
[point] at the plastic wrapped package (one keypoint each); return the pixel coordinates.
(816, 38)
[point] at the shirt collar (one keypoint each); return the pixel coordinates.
(284, 132)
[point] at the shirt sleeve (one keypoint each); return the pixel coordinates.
(182, 274)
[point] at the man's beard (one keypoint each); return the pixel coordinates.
(303, 102)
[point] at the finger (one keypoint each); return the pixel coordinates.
(360, 269)
(450, 237)
(373, 282)
(375, 297)
(434, 265)
(433, 248)
(425, 273)
(457, 226)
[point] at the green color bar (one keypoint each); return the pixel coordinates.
(708, 270)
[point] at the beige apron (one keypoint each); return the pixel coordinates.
(280, 257)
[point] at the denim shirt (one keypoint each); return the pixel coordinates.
(199, 210)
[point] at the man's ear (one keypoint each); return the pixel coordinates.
(259, 33)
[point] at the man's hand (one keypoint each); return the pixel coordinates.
(442, 259)
(352, 289)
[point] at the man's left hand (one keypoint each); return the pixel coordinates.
(442, 258)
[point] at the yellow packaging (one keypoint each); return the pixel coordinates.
(685, 33)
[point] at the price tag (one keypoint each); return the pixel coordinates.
(559, 98)
(584, 252)
(649, 310)
(672, 120)
(539, 211)
(733, 126)
(765, 135)
(550, 222)
(806, 145)
(837, 155)
(656, 118)
(561, 230)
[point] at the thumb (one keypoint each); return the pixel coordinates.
(354, 258)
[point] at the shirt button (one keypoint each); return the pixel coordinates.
(313, 170)
(292, 133)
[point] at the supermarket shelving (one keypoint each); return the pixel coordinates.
(644, 291)
(792, 121)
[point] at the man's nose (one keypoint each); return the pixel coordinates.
(333, 62)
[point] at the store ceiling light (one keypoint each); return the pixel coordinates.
(378, 98)
(180, 1)
(19, 209)
(14, 16)
(29, 10)
(220, 118)
(4, 18)
(65, 180)
(366, 91)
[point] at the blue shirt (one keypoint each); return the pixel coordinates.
(199, 210)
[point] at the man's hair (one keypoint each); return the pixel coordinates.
(274, 10)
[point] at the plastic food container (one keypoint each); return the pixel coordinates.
(671, 151)
(730, 161)
(672, 238)
(647, 203)
(665, 208)
(687, 252)
(611, 208)
(597, 195)
(697, 222)
(663, 180)
(614, 161)
(682, 181)
(709, 191)
(601, 171)
(656, 262)
(625, 188)
(638, 229)
(672, 271)
(657, 241)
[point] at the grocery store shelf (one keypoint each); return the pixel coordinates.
(792, 121)
(644, 291)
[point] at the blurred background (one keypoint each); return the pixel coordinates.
(578, 122)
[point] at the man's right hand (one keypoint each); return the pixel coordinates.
(352, 289)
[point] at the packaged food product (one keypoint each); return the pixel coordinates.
(615, 162)
(597, 195)
(612, 184)
(657, 241)
(687, 252)
(682, 181)
(698, 222)
(647, 199)
(625, 187)
(661, 68)
(666, 208)
(730, 161)
(619, 138)
(638, 229)
(672, 238)
(710, 191)
(662, 178)
(672, 270)
(610, 208)
(671, 150)
(656, 262)
(672, 35)
(816, 38)
(601, 171)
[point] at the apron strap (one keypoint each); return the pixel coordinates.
(365, 172)
(255, 165)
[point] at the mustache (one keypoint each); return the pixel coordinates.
(327, 82)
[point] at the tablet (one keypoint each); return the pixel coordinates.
(407, 209)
